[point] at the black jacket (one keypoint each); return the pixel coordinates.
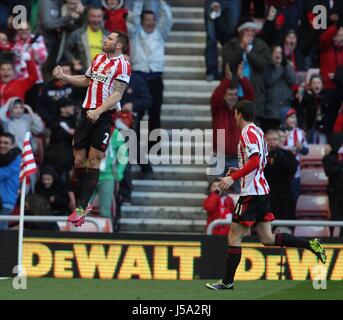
(58, 190)
(279, 172)
(59, 153)
(50, 94)
(259, 58)
(308, 112)
(334, 171)
(333, 167)
(138, 94)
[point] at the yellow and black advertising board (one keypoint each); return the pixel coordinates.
(160, 257)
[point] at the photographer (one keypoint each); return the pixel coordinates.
(279, 172)
(217, 206)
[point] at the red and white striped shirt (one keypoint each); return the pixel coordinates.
(252, 142)
(103, 72)
(296, 135)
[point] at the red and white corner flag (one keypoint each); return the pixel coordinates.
(28, 164)
(27, 168)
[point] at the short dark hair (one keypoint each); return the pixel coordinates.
(273, 131)
(66, 63)
(94, 7)
(64, 102)
(233, 85)
(9, 136)
(316, 76)
(147, 12)
(210, 185)
(123, 38)
(247, 109)
(3, 62)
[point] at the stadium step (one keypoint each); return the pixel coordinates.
(189, 73)
(184, 48)
(162, 225)
(166, 198)
(173, 97)
(162, 172)
(189, 24)
(180, 109)
(164, 212)
(169, 186)
(186, 86)
(170, 199)
(187, 3)
(183, 121)
(189, 36)
(188, 12)
(185, 61)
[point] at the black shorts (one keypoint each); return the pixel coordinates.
(250, 210)
(96, 135)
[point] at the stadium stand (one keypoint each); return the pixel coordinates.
(315, 155)
(314, 207)
(313, 180)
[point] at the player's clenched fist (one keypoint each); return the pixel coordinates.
(93, 115)
(225, 183)
(58, 73)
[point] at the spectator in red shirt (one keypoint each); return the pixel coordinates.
(218, 206)
(331, 54)
(115, 15)
(223, 101)
(10, 87)
(338, 127)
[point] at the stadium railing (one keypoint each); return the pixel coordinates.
(48, 219)
(282, 223)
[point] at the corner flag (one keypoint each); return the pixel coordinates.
(27, 168)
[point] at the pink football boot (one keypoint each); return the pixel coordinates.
(78, 216)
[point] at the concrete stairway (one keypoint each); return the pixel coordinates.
(172, 200)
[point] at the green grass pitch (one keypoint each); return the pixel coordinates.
(55, 289)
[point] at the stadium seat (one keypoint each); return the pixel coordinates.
(313, 207)
(336, 232)
(315, 155)
(309, 231)
(313, 179)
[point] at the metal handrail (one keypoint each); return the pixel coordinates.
(48, 219)
(288, 223)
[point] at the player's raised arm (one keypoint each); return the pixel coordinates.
(110, 102)
(81, 81)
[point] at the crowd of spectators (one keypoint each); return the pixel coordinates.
(292, 70)
(70, 33)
